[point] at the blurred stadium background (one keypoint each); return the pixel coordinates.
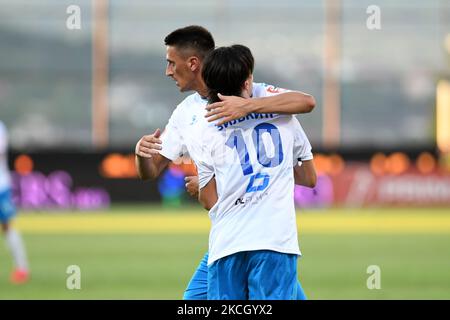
(76, 102)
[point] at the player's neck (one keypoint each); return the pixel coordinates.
(202, 90)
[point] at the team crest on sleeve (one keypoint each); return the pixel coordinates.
(273, 89)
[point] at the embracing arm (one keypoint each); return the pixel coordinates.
(285, 103)
(149, 163)
(305, 175)
(150, 168)
(232, 107)
(207, 195)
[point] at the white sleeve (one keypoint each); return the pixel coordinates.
(172, 139)
(205, 167)
(270, 90)
(302, 147)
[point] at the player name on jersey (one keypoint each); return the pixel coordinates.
(250, 116)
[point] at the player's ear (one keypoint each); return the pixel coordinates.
(248, 86)
(194, 63)
(249, 83)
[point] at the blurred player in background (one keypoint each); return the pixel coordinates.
(186, 50)
(7, 212)
(247, 183)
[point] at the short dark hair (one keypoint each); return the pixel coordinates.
(191, 37)
(225, 70)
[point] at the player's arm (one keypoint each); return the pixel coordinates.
(207, 189)
(232, 107)
(293, 102)
(304, 171)
(149, 163)
(305, 174)
(191, 184)
(207, 196)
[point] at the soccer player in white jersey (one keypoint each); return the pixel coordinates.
(247, 182)
(14, 241)
(186, 50)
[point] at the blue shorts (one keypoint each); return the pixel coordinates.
(253, 275)
(7, 208)
(197, 288)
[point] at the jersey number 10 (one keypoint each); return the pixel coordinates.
(236, 140)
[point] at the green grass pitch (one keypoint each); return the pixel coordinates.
(158, 265)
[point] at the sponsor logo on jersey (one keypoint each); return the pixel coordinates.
(244, 201)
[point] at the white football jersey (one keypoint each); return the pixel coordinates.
(252, 160)
(5, 180)
(183, 132)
